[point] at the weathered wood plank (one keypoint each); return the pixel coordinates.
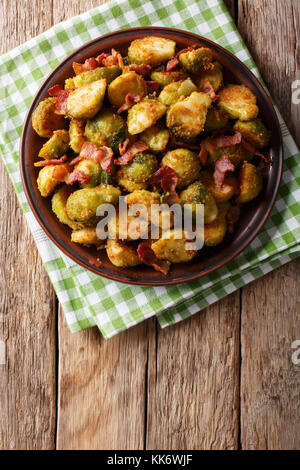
(193, 384)
(270, 382)
(102, 388)
(27, 303)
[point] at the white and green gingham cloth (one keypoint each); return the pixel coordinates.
(88, 299)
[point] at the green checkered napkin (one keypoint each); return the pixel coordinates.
(88, 299)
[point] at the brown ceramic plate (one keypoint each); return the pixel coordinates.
(253, 217)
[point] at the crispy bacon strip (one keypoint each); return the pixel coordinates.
(61, 102)
(53, 161)
(141, 69)
(136, 147)
(254, 150)
(75, 161)
(232, 215)
(61, 172)
(222, 165)
(89, 64)
(111, 59)
(130, 99)
(78, 175)
(211, 144)
(166, 178)
(152, 85)
(100, 58)
(54, 90)
(148, 257)
(172, 64)
(102, 155)
(209, 89)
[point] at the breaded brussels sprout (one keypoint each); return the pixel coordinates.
(253, 131)
(85, 102)
(82, 204)
(185, 163)
(144, 114)
(156, 137)
(87, 236)
(196, 60)
(213, 75)
(186, 118)
(44, 119)
(224, 193)
(69, 84)
(151, 50)
(46, 181)
(59, 201)
(236, 154)
(174, 91)
(134, 229)
(173, 249)
(127, 184)
(215, 119)
(239, 102)
(129, 82)
(107, 128)
(122, 255)
(250, 183)
(216, 231)
(197, 193)
(164, 78)
(141, 167)
(92, 170)
(56, 146)
(108, 73)
(76, 133)
(147, 198)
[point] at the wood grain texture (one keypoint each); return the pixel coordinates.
(102, 388)
(27, 302)
(270, 382)
(193, 381)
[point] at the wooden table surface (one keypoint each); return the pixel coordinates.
(223, 379)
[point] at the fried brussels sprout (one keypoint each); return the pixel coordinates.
(253, 131)
(171, 248)
(174, 91)
(156, 137)
(135, 228)
(144, 114)
(122, 255)
(239, 102)
(197, 193)
(213, 75)
(127, 184)
(44, 119)
(59, 201)
(106, 178)
(46, 181)
(107, 128)
(147, 198)
(129, 82)
(141, 167)
(236, 154)
(76, 133)
(185, 163)
(224, 193)
(85, 102)
(82, 204)
(165, 78)
(92, 170)
(87, 236)
(56, 146)
(186, 118)
(215, 119)
(216, 231)
(108, 73)
(196, 60)
(69, 84)
(250, 181)
(151, 50)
